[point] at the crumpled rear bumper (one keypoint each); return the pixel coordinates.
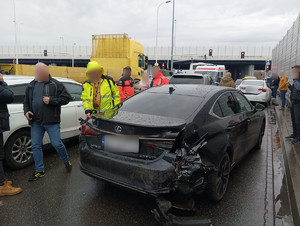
(152, 177)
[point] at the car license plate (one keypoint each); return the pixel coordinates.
(119, 144)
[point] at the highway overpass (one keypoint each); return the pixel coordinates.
(254, 58)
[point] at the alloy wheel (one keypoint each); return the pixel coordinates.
(223, 175)
(21, 149)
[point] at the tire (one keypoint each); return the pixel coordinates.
(260, 137)
(18, 152)
(218, 181)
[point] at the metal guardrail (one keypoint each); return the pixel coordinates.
(180, 53)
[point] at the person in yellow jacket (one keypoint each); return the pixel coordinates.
(100, 92)
(283, 88)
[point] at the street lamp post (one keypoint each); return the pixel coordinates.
(16, 40)
(157, 27)
(73, 54)
(173, 26)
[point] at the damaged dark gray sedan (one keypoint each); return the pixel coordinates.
(184, 138)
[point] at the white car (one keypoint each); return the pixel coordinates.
(256, 91)
(17, 141)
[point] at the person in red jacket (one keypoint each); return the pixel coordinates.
(125, 84)
(158, 77)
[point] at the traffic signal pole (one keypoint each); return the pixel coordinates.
(172, 45)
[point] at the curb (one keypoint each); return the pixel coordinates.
(292, 174)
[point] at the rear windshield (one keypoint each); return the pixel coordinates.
(175, 106)
(186, 79)
(239, 81)
(253, 83)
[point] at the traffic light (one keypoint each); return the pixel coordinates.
(268, 67)
(163, 65)
(243, 55)
(210, 52)
(45, 52)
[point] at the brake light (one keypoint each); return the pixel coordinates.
(86, 131)
(262, 89)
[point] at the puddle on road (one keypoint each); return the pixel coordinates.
(283, 214)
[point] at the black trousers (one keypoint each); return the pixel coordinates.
(295, 115)
(2, 178)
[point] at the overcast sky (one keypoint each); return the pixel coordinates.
(198, 22)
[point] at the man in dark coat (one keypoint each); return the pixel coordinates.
(295, 104)
(6, 97)
(44, 97)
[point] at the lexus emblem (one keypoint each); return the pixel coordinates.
(118, 129)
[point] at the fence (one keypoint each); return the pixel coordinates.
(287, 52)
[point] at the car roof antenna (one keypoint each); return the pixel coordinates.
(171, 90)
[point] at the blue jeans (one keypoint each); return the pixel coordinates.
(37, 134)
(282, 97)
(274, 91)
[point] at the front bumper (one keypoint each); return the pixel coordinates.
(151, 177)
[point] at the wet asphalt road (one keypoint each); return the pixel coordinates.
(62, 198)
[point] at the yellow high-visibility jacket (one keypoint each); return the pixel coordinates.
(109, 95)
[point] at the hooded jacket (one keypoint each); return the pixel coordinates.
(228, 82)
(109, 92)
(6, 97)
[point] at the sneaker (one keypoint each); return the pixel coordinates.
(290, 137)
(68, 166)
(281, 109)
(9, 190)
(36, 175)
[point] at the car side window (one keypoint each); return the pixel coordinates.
(244, 104)
(74, 90)
(217, 110)
(228, 105)
(19, 93)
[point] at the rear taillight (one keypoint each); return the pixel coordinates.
(262, 89)
(85, 130)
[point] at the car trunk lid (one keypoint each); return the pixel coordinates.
(135, 135)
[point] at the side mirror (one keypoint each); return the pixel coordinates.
(259, 107)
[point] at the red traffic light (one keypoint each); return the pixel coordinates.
(242, 55)
(210, 52)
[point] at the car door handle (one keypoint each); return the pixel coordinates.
(79, 105)
(232, 126)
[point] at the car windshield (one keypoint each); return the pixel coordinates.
(253, 83)
(161, 104)
(209, 73)
(238, 82)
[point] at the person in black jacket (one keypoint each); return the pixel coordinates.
(295, 104)
(274, 83)
(6, 97)
(42, 107)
